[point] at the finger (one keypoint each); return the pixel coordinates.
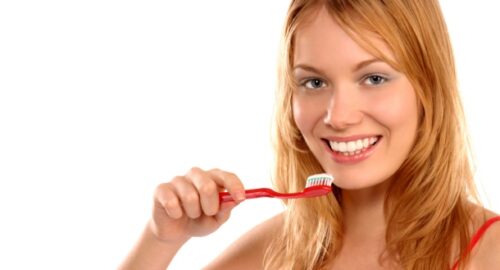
(231, 182)
(168, 200)
(224, 212)
(188, 196)
(208, 191)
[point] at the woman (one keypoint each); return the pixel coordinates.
(368, 94)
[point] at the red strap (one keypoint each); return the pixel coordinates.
(477, 237)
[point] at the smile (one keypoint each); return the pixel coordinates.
(354, 147)
(351, 150)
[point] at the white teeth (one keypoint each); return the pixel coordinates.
(359, 144)
(334, 145)
(342, 147)
(353, 147)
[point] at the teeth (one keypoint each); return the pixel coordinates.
(342, 147)
(352, 147)
(359, 145)
(334, 145)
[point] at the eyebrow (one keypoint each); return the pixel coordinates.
(357, 67)
(365, 63)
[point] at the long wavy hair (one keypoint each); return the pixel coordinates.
(427, 207)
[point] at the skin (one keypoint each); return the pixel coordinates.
(336, 100)
(347, 103)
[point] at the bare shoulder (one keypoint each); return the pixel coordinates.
(248, 251)
(486, 254)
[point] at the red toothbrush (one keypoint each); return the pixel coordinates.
(316, 185)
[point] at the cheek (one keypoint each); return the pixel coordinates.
(397, 111)
(303, 115)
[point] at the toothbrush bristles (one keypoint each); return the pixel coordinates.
(319, 179)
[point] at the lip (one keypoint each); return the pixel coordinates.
(349, 160)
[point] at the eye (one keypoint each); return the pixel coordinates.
(313, 83)
(375, 80)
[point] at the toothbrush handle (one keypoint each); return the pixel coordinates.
(250, 194)
(267, 192)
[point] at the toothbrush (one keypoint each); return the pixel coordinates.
(316, 185)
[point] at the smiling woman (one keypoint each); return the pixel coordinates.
(367, 93)
(101, 101)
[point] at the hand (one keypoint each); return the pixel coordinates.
(189, 206)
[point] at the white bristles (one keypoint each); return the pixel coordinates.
(322, 179)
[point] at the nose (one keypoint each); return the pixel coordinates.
(344, 109)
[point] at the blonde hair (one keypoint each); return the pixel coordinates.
(427, 207)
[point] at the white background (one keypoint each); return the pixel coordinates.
(100, 101)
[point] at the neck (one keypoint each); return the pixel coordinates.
(363, 211)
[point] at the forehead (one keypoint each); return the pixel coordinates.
(321, 38)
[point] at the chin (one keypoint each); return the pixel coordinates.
(357, 183)
(352, 185)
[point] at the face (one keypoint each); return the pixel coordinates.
(357, 114)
